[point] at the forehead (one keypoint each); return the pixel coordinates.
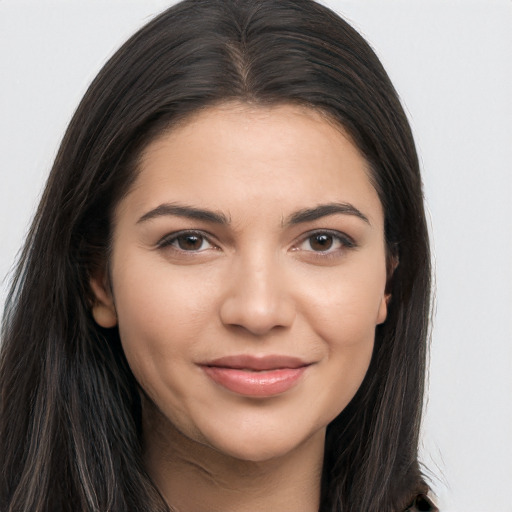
(238, 156)
(290, 120)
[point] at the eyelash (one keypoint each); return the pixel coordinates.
(340, 240)
(169, 240)
(343, 239)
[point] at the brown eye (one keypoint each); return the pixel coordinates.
(187, 241)
(190, 242)
(321, 242)
(326, 243)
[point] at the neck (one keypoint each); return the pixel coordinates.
(194, 477)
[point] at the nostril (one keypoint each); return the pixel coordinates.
(256, 318)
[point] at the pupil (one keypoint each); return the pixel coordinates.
(189, 242)
(321, 242)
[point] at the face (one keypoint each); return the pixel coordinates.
(248, 275)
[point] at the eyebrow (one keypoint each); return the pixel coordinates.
(323, 210)
(304, 215)
(188, 212)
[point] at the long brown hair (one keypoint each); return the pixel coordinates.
(70, 424)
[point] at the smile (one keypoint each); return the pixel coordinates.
(256, 376)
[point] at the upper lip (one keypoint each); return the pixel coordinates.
(257, 363)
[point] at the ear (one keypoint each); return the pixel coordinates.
(383, 309)
(391, 264)
(103, 309)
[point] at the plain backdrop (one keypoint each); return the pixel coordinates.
(451, 62)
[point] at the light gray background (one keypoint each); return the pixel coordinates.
(451, 62)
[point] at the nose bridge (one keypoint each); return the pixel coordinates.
(259, 297)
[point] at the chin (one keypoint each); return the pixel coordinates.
(259, 447)
(257, 452)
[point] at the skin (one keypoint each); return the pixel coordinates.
(254, 284)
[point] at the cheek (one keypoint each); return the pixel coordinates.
(345, 308)
(157, 339)
(156, 303)
(344, 316)
(159, 318)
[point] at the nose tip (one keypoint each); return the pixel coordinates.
(256, 319)
(258, 302)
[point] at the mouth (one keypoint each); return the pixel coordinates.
(253, 376)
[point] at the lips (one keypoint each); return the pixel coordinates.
(252, 376)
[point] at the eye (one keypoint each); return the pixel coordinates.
(321, 242)
(325, 242)
(187, 241)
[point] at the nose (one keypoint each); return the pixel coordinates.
(258, 298)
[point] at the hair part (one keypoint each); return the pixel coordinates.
(75, 443)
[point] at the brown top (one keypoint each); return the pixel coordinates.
(422, 503)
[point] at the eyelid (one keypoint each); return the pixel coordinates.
(169, 238)
(346, 241)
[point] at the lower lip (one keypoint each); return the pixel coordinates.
(255, 384)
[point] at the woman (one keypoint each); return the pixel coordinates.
(223, 300)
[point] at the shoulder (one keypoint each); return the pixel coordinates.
(422, 503)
